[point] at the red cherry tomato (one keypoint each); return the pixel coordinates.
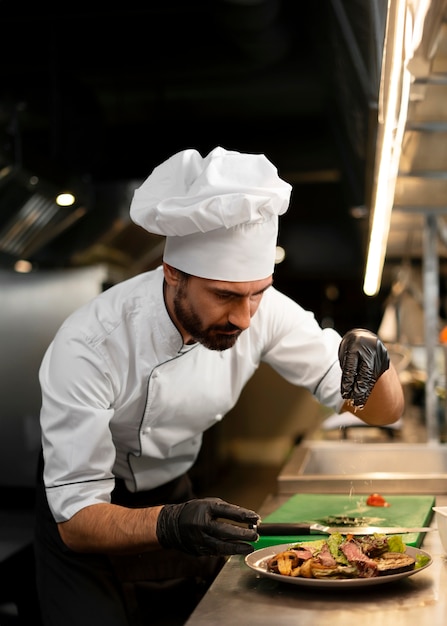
(375, 499)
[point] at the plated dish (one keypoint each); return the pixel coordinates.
(257, 561)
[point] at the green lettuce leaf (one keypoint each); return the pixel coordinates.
(334, 541)
(314, 546)
(396, 544)
(421, 560)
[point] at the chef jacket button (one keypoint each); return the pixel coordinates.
(147, 430)
(219, 416)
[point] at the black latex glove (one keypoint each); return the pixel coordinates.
(363, 358)
(194, 527)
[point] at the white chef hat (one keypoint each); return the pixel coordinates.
(219, 213)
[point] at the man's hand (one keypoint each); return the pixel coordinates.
(363, 359)
(199, 527)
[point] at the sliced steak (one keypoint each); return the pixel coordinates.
(325, 557)
(367, 568)
(303, 554)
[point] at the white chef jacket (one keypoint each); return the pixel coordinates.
(123, 397)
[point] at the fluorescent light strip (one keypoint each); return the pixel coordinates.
(396, 92)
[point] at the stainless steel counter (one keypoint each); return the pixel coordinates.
(239, 596)
(345, 466)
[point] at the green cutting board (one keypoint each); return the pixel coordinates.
(307, 507)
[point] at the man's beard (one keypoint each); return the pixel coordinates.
(211, 337)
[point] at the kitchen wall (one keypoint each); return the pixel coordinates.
(32, 308)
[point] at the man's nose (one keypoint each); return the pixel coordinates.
(241, 313)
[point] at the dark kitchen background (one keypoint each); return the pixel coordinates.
(94, 97)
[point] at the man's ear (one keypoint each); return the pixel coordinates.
(171, 274)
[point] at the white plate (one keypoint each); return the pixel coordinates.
(257, 561)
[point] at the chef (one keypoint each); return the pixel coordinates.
(134, 377)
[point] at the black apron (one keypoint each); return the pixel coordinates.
(151, 588)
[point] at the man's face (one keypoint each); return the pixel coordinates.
(214, 313)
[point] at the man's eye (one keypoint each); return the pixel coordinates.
(256, 297)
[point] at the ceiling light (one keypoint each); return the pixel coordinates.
(405, 23)
(280, 254)
(65, 199)
(23, 266)
(393, 104)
